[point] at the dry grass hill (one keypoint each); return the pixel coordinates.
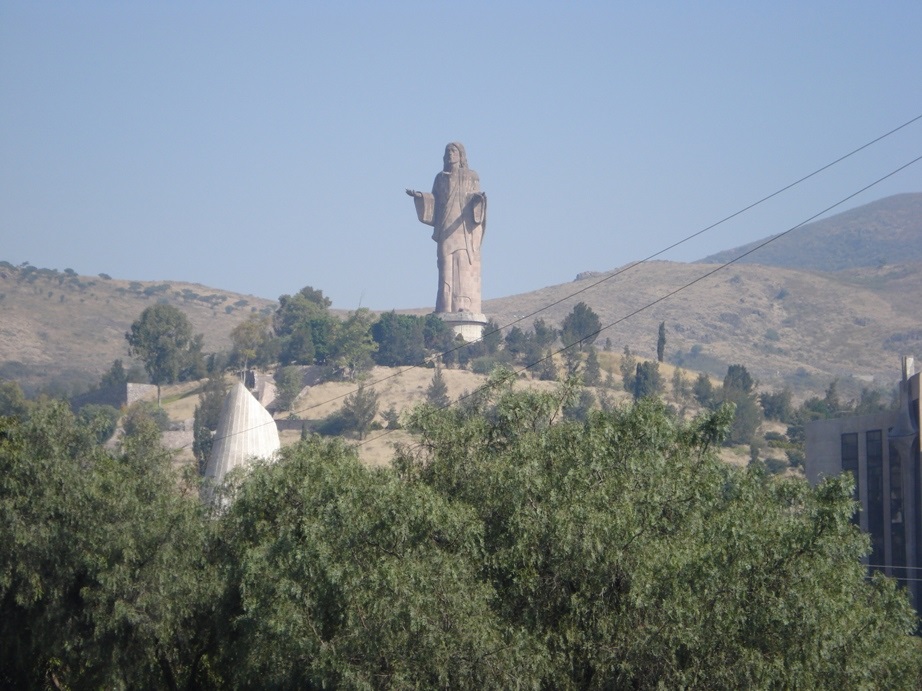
(800, 328)
(59, 327)
(797, 326)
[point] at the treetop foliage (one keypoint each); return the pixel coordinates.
(507, 547)
(162, 338)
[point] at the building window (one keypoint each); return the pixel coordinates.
(850, 464)
(875, 483)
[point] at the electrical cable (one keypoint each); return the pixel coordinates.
(627, 268)
(670, 294)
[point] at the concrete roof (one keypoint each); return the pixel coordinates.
(246, 431)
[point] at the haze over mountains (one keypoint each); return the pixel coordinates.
(835, 299)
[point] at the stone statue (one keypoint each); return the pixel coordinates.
(457, 211)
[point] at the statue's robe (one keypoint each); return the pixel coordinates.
(457, 211)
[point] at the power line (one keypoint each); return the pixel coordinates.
(627, 268)
(691, 283)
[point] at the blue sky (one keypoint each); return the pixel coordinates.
(264, 147)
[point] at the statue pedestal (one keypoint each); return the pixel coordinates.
(467, 325)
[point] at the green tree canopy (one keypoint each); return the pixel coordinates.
(647, 380)
(581, 326)
(162, 338)
(249, 340)
(305, 326)
(401, 340)
(633, 558)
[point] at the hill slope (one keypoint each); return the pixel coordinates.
(886, 231)
(788, 324)
(796, 327)
(58, 326)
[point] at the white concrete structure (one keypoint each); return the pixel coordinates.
(246, 431)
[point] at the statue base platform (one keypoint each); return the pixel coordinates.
(467, 325)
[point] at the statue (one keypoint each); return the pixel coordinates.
(457, 211)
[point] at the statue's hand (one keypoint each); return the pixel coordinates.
(414, 193)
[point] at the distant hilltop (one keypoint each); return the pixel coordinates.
(887, 231)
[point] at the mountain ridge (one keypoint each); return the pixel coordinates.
(884, 231)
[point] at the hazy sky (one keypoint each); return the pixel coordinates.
(262, 147)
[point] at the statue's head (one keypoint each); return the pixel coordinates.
(455, 157)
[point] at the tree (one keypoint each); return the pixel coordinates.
(12, 401)
(116, 377)
(592, 375)
(548, 370)
(661, 342)
(739, 389)
(206, 418)
(747, 582)
(105, 572)
(359, 410)
(581, 326)
(100, 420)
(344, 577)
(680, 388)
(353, 346)
(248, 338)
(647, 380)
(738, 379)
(703, 390)
(628, 369)
(579, 409)
(516, 341)
(437, 393)
(777, 405)
(288, 384)
(545, 335)
(162, 338)
(400, 338)
(305, 327)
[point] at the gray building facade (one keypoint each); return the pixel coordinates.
(882, 453)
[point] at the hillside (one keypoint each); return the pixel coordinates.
(64, 328)
(788, 327)
(886, 231)
(786, 320)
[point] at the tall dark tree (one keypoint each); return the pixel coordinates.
(437, 393)
(703, 390)
(359, 410)
(592, 374)
(739, 389)
(545, 335)
(116, 376)
(628, 369)
(206, 417)
(647, 380)
(581, 326)
(661, 342)
(162, 338)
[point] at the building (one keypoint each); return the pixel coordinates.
(882, 452)
(246, 431)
